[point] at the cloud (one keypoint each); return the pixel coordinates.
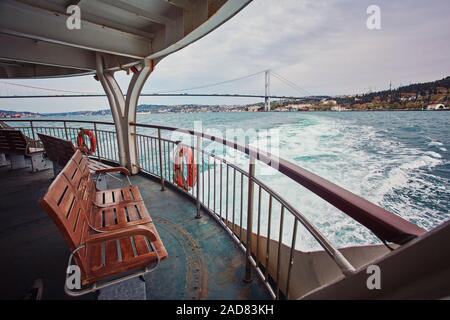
(324, 46)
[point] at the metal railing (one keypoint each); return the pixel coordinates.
(68, 129)
(260, 220)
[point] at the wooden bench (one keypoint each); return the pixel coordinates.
(14, 143)
(3, 161)
(110, 233)
(60, 151)
(108, 209)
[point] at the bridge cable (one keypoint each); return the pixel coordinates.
(42, 88)
(213, 84)
(291, 84)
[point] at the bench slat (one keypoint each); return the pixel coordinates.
(112, 256)
(69, 201)
(95, 256)
(141, 245)
(126, 249)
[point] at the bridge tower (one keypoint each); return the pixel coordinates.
(267, 91)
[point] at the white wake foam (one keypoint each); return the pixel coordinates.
(362, 160)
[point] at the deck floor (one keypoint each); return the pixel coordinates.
(203, 262)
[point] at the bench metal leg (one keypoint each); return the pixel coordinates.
(17, 161)
(38, 162)
(56, 169)
(97, 286)
(3, 161)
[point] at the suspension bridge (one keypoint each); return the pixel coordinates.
(301, 94)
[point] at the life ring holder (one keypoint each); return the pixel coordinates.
(82, 134)
(184, 167)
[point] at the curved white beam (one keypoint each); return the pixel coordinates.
(134, 91)
(114, 104)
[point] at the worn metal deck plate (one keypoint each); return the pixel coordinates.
(203, 263)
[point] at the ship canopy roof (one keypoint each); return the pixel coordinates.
(41, 38)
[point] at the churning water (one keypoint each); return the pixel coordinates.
(398, 160)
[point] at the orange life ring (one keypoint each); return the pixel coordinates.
(82, 143)
(184, 168)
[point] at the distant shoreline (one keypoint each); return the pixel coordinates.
(25, 117)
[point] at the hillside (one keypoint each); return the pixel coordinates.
(414, 96)
(17, 114)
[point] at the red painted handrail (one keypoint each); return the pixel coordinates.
(384, 224)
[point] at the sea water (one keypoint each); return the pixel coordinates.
(398, 160)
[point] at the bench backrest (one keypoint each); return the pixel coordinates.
(65, 204)
(13, 141)
(58, 150)
(79, 177)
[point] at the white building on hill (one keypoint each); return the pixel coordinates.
(436, 106)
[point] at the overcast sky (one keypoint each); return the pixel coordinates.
(323, 46)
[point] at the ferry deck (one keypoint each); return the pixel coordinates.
(228, 235)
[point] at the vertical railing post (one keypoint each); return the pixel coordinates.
(65, 130)
(98, 140)
(32, 130)
(163, 188)
(199, 150)
(251, 174)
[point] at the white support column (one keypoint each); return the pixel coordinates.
(117, 110)
(124, 110)
(134, 91)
